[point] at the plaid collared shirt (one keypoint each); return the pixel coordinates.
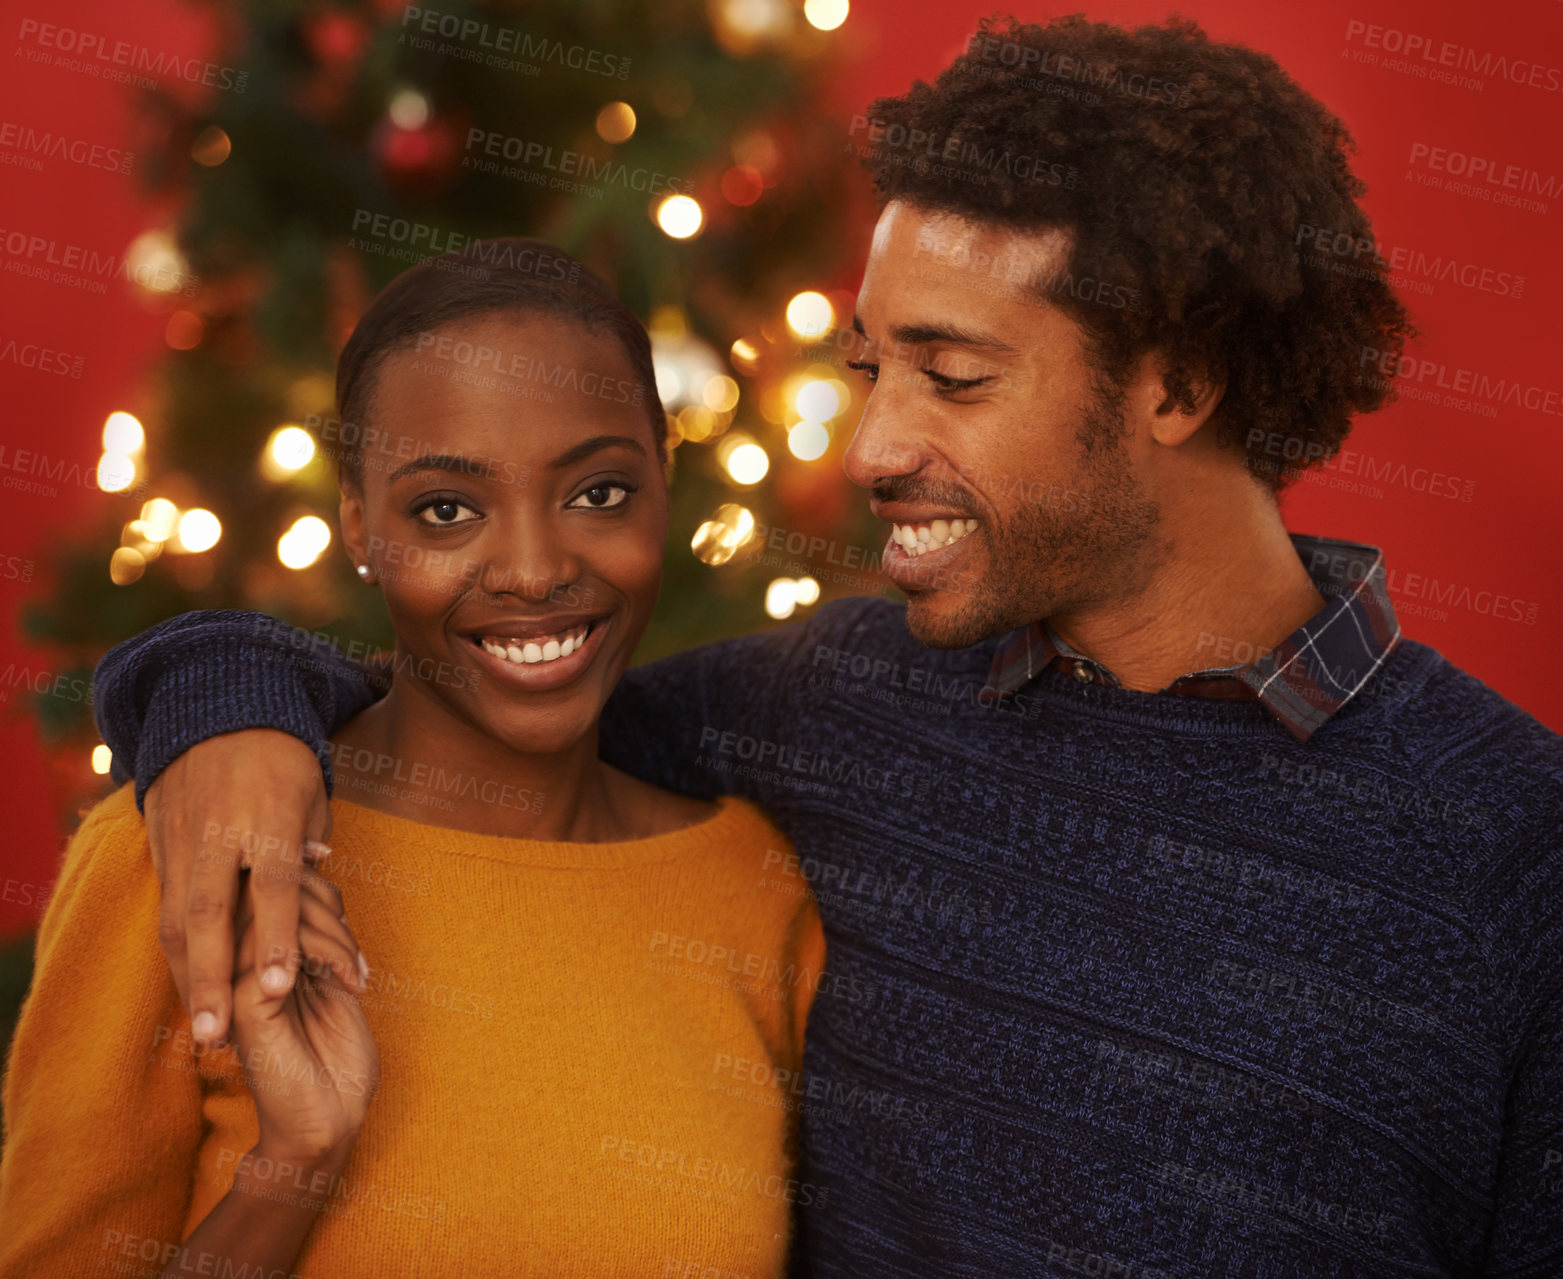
(1304, 680)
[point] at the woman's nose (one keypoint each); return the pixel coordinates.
(528, 560)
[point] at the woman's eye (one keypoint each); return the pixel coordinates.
(445, 511)
(870, 371)
(601, 496)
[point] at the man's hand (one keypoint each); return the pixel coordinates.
(254, 798)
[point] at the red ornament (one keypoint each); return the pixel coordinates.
(743, 185)
(418, 163)
(336, 39)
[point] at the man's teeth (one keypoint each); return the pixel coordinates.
(919, 539)
(529, 651)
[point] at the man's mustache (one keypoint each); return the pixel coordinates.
(921, 493)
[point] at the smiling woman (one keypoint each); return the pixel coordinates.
(554, 942)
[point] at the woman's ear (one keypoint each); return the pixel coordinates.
(355, 537)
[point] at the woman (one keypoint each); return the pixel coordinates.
(567, 960)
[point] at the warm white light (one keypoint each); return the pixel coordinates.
(808, 440)
(159, 518)
(808, 591)
(744, 355)
(122, 433)
(126, 566)
(304, 543)
(827, 15)
(409, 109)
(155, 263)
(116, 471)
(755, 19)
(817, 401)
(748, 463)
(199, 530)
(290, 447)
(102, 757)
(810, 316)
(781, 598)
(720, 393)
(729, 527)
(679, 216)
(669, 384)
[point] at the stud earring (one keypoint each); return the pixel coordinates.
(364, 571)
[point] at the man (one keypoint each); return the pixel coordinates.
(1182, 918)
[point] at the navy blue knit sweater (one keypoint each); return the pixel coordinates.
(1121, 984)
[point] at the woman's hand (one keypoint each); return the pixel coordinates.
(312, 1067)
(307, 1051)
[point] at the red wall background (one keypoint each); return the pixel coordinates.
(1475, 554)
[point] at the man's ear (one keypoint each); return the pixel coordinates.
(350, 515)
(1173, 423)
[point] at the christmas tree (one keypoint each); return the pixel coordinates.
(678, 148)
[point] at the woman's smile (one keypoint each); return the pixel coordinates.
(538, 654)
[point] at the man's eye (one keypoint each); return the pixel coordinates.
(870, 371)
(444, 511)
(600, 497)
(945, 383)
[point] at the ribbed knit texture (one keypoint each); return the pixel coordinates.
(1135, 985)
(560, 1027)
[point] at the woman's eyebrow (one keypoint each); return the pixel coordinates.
(597, 442)
(440, 462)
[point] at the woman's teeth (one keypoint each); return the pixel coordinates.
(919, 539)
(529, 651)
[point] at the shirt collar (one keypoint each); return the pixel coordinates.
(1303, 681)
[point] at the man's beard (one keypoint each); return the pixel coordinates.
(1044, 556)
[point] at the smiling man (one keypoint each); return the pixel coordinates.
(1141, 961)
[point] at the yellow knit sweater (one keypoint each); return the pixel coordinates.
(588, 1057)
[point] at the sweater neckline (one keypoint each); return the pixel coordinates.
(734, 822)
(1406, 669)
